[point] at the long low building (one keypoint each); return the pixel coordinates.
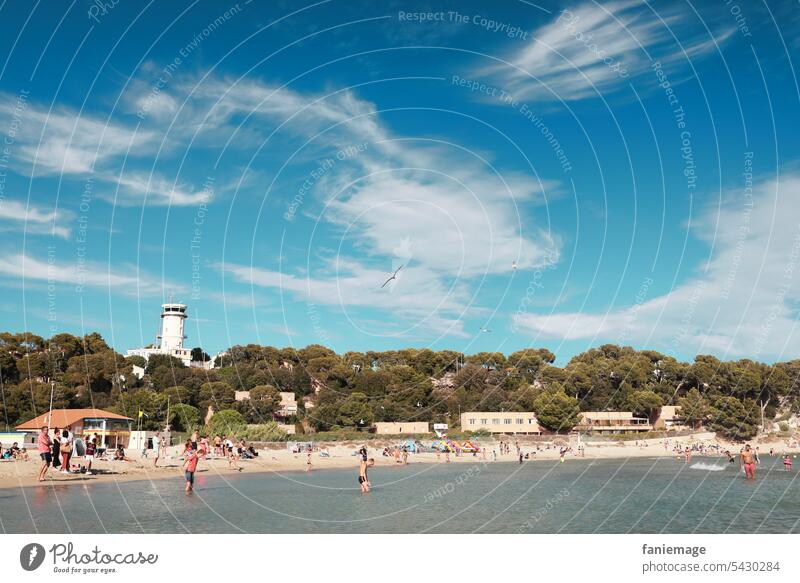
(612, 422)
(509, 422)
(401, 428)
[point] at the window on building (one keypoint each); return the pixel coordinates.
(531, 421)
(472, 422)
(495, 421)
(484, 421)
(507, 421)
(520, 421)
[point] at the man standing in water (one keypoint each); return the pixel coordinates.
(748, 460)
(191, 458)
(363, 479)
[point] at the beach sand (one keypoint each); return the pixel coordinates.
(276, 458)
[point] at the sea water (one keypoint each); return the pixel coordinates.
(578, 496)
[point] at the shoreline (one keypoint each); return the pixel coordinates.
(22, 474)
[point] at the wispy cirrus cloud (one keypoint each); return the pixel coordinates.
(417, 296)
(124, 279)
(18, 217)
(595, 49)
(79, 145)
(395, 188)
(745, 302)
(461, 215)
(64, 141)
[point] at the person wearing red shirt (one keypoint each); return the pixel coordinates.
(44, 445)
(191, 457)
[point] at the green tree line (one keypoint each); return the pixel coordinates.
(355, 389)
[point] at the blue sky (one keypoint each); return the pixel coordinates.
(554, 174)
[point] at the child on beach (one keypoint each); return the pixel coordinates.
(91, 448)
(191, 457)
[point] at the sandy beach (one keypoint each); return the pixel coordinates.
(276, 458)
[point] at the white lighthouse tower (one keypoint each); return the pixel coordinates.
(172, 336)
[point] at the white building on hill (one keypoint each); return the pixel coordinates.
(171, 337)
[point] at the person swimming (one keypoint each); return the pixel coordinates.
(787, 462)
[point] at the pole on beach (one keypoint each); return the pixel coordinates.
(50, 414)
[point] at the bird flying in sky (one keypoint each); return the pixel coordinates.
(394, 276)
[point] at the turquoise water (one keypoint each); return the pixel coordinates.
(579, 496)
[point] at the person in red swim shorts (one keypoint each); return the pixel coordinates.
(747, 459)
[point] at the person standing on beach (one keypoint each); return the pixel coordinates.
(191, 458)
(56, 441)
(157, 447)
(44, 445)
(91, 448)
(748, 461)
(308, 461)
(66, 450)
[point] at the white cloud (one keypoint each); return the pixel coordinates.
(137, 187)
(744, 303)
(597, 48)
(464, 218)
(16, 216)
(67, 142)
(461, 213)
(121, 278)
(417, 297)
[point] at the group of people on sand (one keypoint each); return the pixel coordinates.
(57, 451)
(400, 454)
(15, 452)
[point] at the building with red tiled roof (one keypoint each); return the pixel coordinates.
(111, 428)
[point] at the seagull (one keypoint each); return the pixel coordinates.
(514, 265)
(484, 329)
(394, 276)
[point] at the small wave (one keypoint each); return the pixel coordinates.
(707, 467)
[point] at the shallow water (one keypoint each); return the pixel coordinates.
(578, 496)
